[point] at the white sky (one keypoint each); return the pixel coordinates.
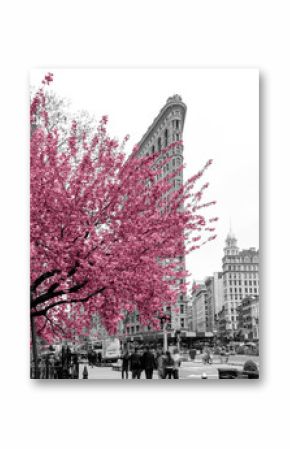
(222, 123)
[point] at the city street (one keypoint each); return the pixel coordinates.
(188, 370)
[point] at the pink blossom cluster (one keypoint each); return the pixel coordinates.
(100, 236)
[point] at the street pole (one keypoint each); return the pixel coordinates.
(165, 345)
(178, 342)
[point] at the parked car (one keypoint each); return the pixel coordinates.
(251, 370)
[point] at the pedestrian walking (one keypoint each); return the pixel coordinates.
(136, 364)
(58, 367)
(125, 364)
(46, 366)
(169, 365)
(192, 353)
(85, 372)
(51, 366)
(177, 363)
(148, 363)
(64, 363)
(42, 368)
(76, 364)
(160, 364)
(90, 357)
(206, 356)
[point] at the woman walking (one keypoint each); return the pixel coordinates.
(169, 365)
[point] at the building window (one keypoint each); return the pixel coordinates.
(166, 137)
(182, 308)
(176, 124)
(159, 143)
(181, 322)
(153, 149)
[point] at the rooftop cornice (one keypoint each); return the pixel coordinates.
(175, 100)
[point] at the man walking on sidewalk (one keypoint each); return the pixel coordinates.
(125, 363)
(148, 363)
(135, 364)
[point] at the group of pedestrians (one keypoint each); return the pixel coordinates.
(166, 364)
(94, 358)
(63, 365)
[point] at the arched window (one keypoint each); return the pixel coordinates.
(176, 124)
(166, 137)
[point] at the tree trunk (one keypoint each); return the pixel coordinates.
(35, 373)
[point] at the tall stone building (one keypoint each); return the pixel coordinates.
(166, 128)
(218, 291)
(199, 308)
(240, 280)
(206, 302)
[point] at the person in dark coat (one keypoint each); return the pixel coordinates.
(76, 366)
(65, 360)
(169, 365)
(136, 364)
(125, 364)
(58, 367)
(148, 363)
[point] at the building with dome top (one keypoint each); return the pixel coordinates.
(240, 273)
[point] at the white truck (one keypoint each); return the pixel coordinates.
(109, 348)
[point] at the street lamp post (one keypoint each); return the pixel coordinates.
(163, 321)
(165, 343)
(177, 334)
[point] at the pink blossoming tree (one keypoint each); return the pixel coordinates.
(102, 241)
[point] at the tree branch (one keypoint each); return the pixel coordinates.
(64, 301)
(42, 278)
(54, 294)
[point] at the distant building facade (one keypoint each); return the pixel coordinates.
(248, 317)
(203, 307)
(199, 307)
(240, 280)
(218, 291)
(227, 303)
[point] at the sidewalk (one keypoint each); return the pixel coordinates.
(107, 373)
(188, 370)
